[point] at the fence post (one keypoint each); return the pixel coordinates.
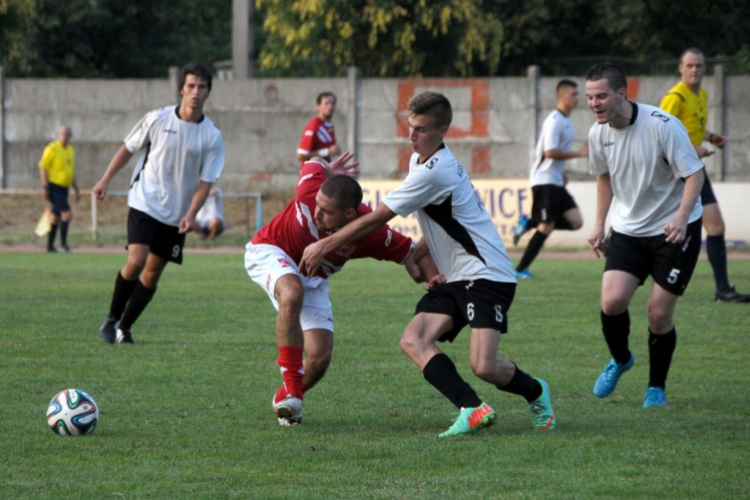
(94, 218)
(3, 153)
(353, 110)
(174, 81)
(535, 105)
(721, 119)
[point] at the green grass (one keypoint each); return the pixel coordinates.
(185, 413)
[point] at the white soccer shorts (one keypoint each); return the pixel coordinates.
(265, 264)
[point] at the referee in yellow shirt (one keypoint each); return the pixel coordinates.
(57, 171)
(688, 101)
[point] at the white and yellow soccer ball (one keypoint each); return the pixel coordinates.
(72, 413)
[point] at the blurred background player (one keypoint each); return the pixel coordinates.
(649, 174)
(326, 199)
(553, 208)
(319, 136)
(209, 222)
(183, 156)
(475, 285)
(57, 172)
(688, 101)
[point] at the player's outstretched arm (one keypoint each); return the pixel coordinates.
(121, 158)
(313, 256)
(339, 166)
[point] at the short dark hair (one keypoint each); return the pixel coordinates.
(325, 94)
(692, 50)
(345, 191)
(613, 73)
(433, 104)
(566, 84)
(197, 69)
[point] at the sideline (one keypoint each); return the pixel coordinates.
(232, 250)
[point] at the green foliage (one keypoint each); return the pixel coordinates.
(390, 38)
(110, 38)
(384, 38)
(185, 412)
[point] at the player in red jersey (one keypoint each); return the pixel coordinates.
(319, 136)
(326, 199)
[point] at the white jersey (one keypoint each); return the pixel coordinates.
(557, 133)
(463, 240)
(177, 155)
(647, 161)
(212, 208)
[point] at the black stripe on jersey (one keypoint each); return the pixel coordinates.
(635, 113)
(177, 112)
(678, 95)
(443, 215)
(145, 162)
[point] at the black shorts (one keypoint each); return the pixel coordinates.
(58, 198)
(670, 265)
(479, 303)
(550, 202)
(163, 240)
(707, 193)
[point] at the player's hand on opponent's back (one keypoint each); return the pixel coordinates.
(339, 165)
(436, 280)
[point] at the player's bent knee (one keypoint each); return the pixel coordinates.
(614, 306)
(484, 369)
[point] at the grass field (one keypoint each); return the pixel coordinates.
(185, 413)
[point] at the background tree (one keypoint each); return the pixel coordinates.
(111, 38)
(394, 38)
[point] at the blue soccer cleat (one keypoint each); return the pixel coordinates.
(521, 227)
(655, 396)
(525, 275)
(607, 381)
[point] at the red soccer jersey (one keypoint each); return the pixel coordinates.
(294, 229)
(317, 134)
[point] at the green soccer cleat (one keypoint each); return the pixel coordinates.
(470, 420)
(541, 409)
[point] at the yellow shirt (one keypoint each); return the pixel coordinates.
(692, 110)
(60, 163)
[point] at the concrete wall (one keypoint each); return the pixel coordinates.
(493, 133)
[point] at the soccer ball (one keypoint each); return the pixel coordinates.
(72, 413)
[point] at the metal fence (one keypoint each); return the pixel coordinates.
(95, 233)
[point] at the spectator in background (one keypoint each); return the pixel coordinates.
(209, 222)
(57, 172)
(319, 136)
(688, 101)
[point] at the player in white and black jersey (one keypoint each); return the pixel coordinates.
(649, 179)
(183, 155)
(553, 208)
(476, 281)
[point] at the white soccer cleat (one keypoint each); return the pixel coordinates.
(288, 410)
